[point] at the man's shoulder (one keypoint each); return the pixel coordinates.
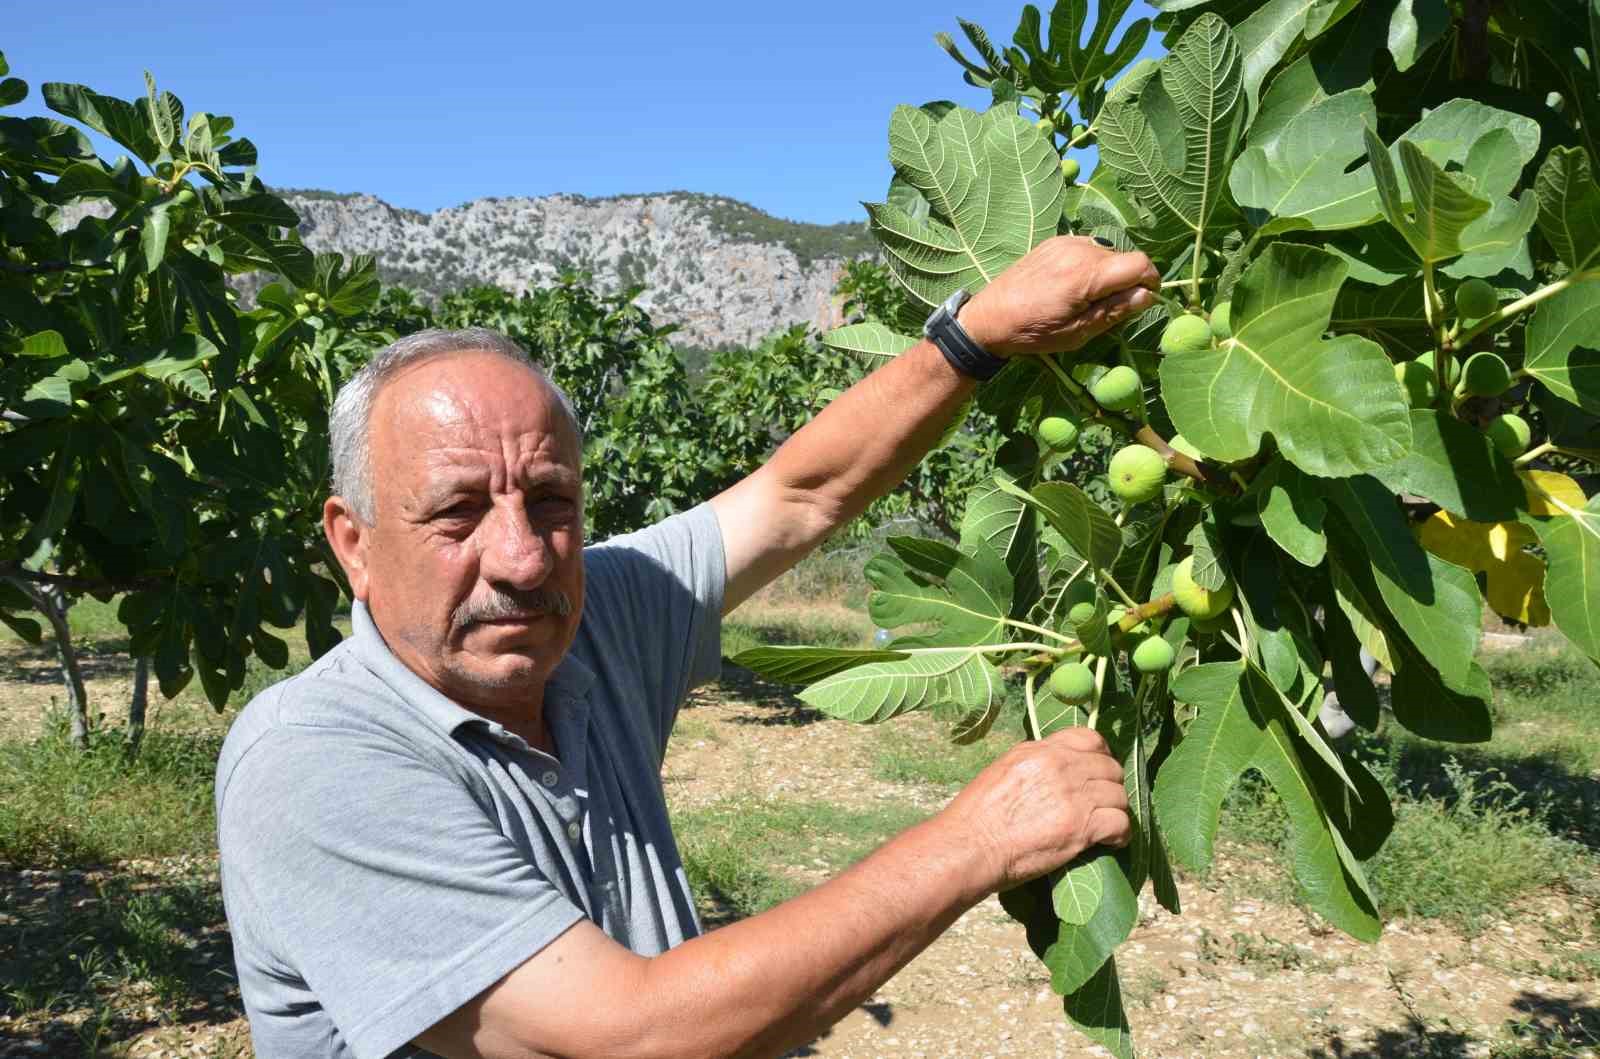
(333, 704)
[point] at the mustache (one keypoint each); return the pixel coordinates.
(512, 603)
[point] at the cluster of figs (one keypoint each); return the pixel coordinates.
(1483, 374)
(1137, 474)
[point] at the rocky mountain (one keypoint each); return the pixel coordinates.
(723, 271)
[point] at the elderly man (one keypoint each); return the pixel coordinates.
(448, 836)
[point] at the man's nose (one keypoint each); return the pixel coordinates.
(515, 553)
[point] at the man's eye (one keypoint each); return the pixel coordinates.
(459, 511)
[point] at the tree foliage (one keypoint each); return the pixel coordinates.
(1320, 185)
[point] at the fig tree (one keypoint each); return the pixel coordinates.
(1072, 682)
(1070, 169)
(1058, 433)
(1118, 389)
(1153, 655)
(1475, 299)
(1510, 434)
(1137, 473)
(1485, 375)
(1185, 334)
(1222, 321)
(1193, 599)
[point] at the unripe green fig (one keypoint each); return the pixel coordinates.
(1197, 601)
(1153, 655)
(1485, 375)
(1079, 129)
(1222, 321)
(185, 196)
(1073, 682)
(1137, 473)
(1070, 169)
(1118, 389)
(1046, 126)
(1185, 334)
(301, 308)
(1510, 434)
(1081, 612)
(1058, 433)
(1416, 378)
(1475, 299)
(1081, 591)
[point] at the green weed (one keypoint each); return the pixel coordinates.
(743, 855)
(62, 808)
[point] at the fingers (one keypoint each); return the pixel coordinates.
(1119, 271)
(1079, 738)
(1110, 826)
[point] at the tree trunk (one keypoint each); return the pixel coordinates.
(52, 602)
(136, 705)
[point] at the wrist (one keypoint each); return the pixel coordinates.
(978, 325)
(979, 866)
(949, 334)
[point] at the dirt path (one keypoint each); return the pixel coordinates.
(1239, 975)
(1235, 976)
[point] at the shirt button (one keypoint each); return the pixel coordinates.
(549, 778)
(573, 831)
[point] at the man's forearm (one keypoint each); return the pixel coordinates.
(780, 978)
(858, 448)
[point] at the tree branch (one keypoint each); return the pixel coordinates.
(15, 571)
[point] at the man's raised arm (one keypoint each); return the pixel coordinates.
(1060, 295)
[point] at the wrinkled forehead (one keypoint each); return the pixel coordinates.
(470, 407)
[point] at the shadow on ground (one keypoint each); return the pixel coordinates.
(1544, 1027)
(97, 659)
(71, 937)
(1566, 799)
(882, 1014)
(778, 703)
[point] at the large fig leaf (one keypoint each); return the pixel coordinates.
(1455, 466)
(801, 665)
(1436, 603)
(1084, 524)
(1572, 588)
(1068, 67)
(929, 678)
(967, 596)
(1332, 406)
(1563, 338)
(1006, 524)
(1299, 179)
(994, 188)
(1097, 1012)
(1292, 511)
(1214, 753)
(1171, 144)
(870, 340)
(1569, 207)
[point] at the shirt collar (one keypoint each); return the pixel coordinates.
(568, 685)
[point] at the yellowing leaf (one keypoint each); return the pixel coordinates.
(1548, 491)
(1515, 577)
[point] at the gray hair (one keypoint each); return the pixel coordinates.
(350, 421)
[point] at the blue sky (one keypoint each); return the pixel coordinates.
(784, 106)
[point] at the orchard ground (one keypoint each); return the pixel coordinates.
(113, 942)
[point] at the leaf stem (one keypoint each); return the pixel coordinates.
(1535, 452)
(1033, 710)
(1099, 685)
(1523, 304)
(1118, 589)
(1042, 631)
(1244, 633)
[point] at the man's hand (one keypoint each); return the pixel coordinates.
(1041, 804)
(1061, 294)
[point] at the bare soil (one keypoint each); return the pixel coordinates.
(1243, 973)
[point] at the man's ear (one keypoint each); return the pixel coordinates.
(349, 538)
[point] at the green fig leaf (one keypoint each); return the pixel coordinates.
(1333, 406)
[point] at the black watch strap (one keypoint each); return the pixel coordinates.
(958, 347)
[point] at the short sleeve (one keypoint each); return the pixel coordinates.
(657, 599)
(380, 879)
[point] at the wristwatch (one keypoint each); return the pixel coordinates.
(958, 347)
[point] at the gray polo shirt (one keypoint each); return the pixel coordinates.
(387, 855)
